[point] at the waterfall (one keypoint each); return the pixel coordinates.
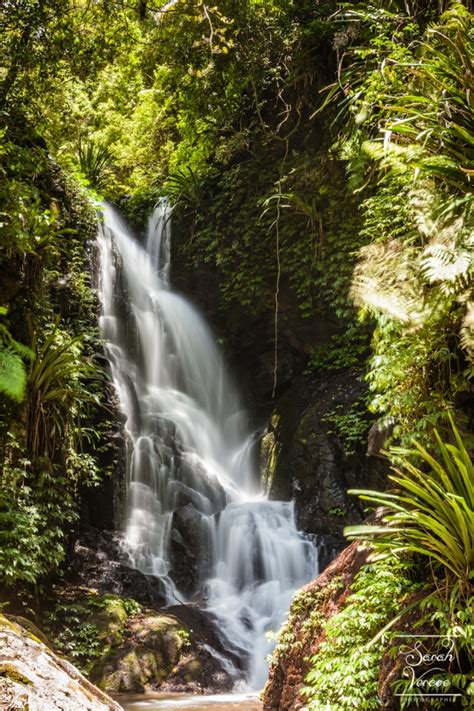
(196, 517)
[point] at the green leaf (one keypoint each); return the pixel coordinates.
(12, 374)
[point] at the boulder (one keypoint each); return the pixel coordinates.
(124, 647)
(33, 678)
(149, 649)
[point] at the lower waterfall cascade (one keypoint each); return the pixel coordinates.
(195, 514)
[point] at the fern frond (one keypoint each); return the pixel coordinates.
(445, 263)
(385, 282)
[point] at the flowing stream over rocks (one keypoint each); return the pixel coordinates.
(196, 517)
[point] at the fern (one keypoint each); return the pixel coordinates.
(384, 283)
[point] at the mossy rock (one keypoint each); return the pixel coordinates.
(35, 632)
(150, 650)
(162, 633)
(111, 620)
(191, 669)
(10, 671)
(135, 670)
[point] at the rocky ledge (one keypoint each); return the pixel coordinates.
(33, 678)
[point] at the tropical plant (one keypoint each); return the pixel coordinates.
(404, 101)
(429, 514)
(56, 394)
(187, 187)
(94, 162)
(436, 113)
(344, 673)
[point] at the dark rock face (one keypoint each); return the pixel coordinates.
(306, 458)
(248, 337)
(100, 562)
(191, 551)
(103, 507)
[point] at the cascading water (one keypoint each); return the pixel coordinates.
(195, 516)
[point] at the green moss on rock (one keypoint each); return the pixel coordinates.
(150, 651)
(10, 670)
(121, 646)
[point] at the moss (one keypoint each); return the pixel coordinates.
(32, 630)
(11, 672)
(269, 450)
(161, 623)
(191, 669)
(5, 622)
(111, 621)
(149, 651)
(116, 643)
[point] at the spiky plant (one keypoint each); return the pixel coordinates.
(428, 513)
(56, 393)
(94, 161)
(185, 186)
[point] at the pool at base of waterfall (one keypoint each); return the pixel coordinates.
(190, 702)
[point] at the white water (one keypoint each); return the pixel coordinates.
(189, 462)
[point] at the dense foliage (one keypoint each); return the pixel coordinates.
(319, 157)
(234, 111)
(428, 518)
(345, 672)
(52, 384)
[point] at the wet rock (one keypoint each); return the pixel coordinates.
(99, 561)
(313, 453)
(184, 495)
(205, 628)
(195, 476)
(33, 677)
(191, 549)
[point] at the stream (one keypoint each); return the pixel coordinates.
(168, 702)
